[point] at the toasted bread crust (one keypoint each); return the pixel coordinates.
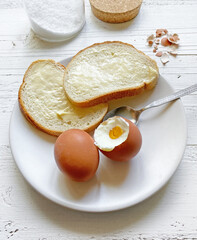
(30, 118)
(118, 94)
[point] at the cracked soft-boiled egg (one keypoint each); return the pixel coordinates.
(118, 138)
(76, 155)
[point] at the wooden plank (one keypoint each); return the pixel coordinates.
(169, 214)
(9, 4)
(143, 217)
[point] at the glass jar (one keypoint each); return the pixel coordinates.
(56, 20)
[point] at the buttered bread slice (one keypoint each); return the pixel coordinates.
(107, 71)
(43, 101)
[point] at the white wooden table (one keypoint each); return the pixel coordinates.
(169, 214)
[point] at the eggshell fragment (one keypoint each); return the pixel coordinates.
(155, 47)
(161, 32)
(157, 41)
(154, 50)
(165, 42)
(159, 54)
(172, 50)
(164, 58)
(150, 39)
(173, 38)
(165, 31)
(76, 155)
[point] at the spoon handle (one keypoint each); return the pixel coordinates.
(172, 97)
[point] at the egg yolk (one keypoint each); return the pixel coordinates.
(115, 132)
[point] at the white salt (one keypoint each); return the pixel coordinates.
(62, 16)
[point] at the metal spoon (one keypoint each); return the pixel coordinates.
(133, 115)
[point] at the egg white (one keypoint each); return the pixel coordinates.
(101, 134)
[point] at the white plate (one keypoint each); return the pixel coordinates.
(116, 185)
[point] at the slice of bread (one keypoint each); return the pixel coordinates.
(106, 71)
(43, 101)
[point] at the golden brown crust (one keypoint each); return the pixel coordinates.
(30, 118)
(109, 96)
(114, 95)
(108, 13)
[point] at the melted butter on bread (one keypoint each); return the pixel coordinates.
(43, 101)
(108, 68)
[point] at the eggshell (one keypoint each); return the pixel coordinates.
(165, 42)
(129, 148)
(76, 155)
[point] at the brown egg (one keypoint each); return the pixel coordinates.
(128, 148)
(76, 155)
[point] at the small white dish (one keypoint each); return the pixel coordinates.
(117, 185)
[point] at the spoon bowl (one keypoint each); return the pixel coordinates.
(126, 112)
